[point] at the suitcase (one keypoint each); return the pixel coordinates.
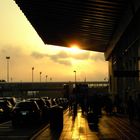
(93, 121)
(92, 118)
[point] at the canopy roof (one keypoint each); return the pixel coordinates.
(88, 23)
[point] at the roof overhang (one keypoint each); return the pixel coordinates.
(90, 23)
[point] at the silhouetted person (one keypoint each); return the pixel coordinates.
(130, 109)
(74, 102)
(71, 100)
(117, 103)
(138, 107)
(74, 109)
(108, 105)
(95, 108)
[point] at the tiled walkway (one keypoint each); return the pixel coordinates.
(110, 128)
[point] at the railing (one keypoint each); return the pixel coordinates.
(35, 86)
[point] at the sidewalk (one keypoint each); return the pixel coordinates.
(110, 128)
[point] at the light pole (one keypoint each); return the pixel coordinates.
(11, 79)
(46, 77)
(85, 79)
(32, 74)
(50, 78)
(75, 75)
(40, 76)
(7, 57)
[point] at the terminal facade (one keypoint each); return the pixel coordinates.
(124, 60)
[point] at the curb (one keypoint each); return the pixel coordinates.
(38, 132)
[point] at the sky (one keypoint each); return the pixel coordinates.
(20, 41)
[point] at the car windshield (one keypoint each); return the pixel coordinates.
(27, 105)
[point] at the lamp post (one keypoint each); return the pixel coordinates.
(75, 75)
(50, 78)
(75, 91)
(85, 79)
(7, 57)
(32, 74)
(46, 77)
(40, 76)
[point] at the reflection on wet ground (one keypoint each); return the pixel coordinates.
(78, 128)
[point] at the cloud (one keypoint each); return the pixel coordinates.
(81, 56)
(59, 55)
(62, 57)
(12, 51)
(97, 57)
(65, 62)
(38, 55)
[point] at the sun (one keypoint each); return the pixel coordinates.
(74, 48)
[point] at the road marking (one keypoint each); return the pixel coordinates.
(5, 123)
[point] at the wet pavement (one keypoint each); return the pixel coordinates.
(78, 128)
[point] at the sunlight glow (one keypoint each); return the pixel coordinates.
(74, 48)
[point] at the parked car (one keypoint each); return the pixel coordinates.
(1, 115)
(44, 108)
(12, 100)
(26, 112)
(48, 102)
(6, 109)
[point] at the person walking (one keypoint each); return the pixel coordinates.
(131, 109)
